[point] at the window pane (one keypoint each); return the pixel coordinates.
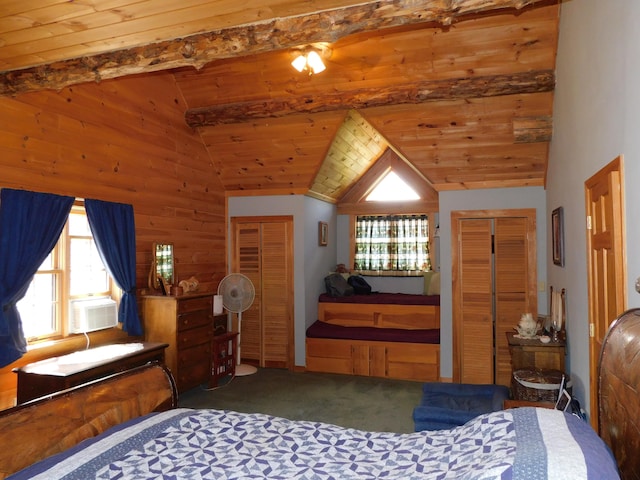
(392, 243)
(87, 273)
(37, 308)
(79, 225)
(48, 262)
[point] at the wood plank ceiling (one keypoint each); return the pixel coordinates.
(459, 91)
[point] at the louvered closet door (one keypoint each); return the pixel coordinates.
(512, 289)
(246, 260)
(263, 250)
(476, 301)
(277, 340)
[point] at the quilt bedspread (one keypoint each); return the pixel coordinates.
(524, 443)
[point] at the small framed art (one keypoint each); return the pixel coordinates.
(323, 234)
(557, 236)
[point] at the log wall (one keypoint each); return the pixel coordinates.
(125, 141)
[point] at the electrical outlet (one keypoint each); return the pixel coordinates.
(542, 286)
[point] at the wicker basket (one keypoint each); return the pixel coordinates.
(537, 385)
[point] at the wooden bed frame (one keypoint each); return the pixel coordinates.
(619, 392)
(38, 429)
(399, 360)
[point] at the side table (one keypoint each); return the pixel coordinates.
(532, 353)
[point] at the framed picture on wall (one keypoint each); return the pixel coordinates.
(557, 236)
(323, 234)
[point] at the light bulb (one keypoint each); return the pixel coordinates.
(300, 63)
(315, 62)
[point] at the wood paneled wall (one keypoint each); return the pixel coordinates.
(125, 141)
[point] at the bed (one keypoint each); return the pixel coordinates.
(523, 443)
(392, 335)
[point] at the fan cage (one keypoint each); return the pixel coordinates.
(237, 292)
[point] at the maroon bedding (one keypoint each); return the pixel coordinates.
(326, 330)
(390, 298)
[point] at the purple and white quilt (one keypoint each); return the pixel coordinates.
(524, 443)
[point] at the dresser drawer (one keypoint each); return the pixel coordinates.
(194, 304)
(195, 336)
(194, 319)
(197, 354)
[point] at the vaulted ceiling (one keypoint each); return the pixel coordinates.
(458, 93)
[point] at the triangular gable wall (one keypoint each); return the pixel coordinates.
(354, 200)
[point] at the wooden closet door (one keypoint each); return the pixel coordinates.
(277, 294)
(263, 251)
(246, 260)
(512, 297)
(475, 338)
(494, 283)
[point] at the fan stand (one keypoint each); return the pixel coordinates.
(242, 370)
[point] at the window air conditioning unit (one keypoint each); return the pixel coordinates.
(90, 314)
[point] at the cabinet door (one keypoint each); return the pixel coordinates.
(476, 301)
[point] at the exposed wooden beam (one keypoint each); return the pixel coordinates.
(261, 36)
(532, 129)
(470, 87)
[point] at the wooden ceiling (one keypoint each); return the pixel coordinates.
(459, 91)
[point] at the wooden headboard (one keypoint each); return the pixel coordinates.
(38, 429)
(619, 392)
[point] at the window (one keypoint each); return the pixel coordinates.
(392, 189)
(392, 243)
(72, 270)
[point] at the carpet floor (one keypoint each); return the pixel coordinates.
(364, 403)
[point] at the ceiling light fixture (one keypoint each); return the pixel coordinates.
(310, 59)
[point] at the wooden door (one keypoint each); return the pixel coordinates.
(263, 251)
(494, 283)
(606, 263)
(247, 252)
(515, 291)
(475, 301)
(277, 294)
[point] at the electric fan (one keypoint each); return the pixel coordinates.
(237, 296)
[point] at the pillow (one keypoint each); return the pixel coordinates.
(434, 285)
(427, 280)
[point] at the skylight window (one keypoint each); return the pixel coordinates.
(392, 189)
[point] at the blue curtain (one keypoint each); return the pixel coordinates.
(114, 232)
(30, 225)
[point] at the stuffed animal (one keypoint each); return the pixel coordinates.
(341, 268)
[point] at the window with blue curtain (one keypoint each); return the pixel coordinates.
(30, 226)
(392, 243)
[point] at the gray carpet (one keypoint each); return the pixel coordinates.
(364, 403)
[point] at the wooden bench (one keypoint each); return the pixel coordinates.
(400, 360)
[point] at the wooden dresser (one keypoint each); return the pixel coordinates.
(186, 323)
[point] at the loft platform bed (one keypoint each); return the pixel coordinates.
(517, 444)
(392, 335)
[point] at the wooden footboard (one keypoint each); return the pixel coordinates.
(36, 430)
(401, 360)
